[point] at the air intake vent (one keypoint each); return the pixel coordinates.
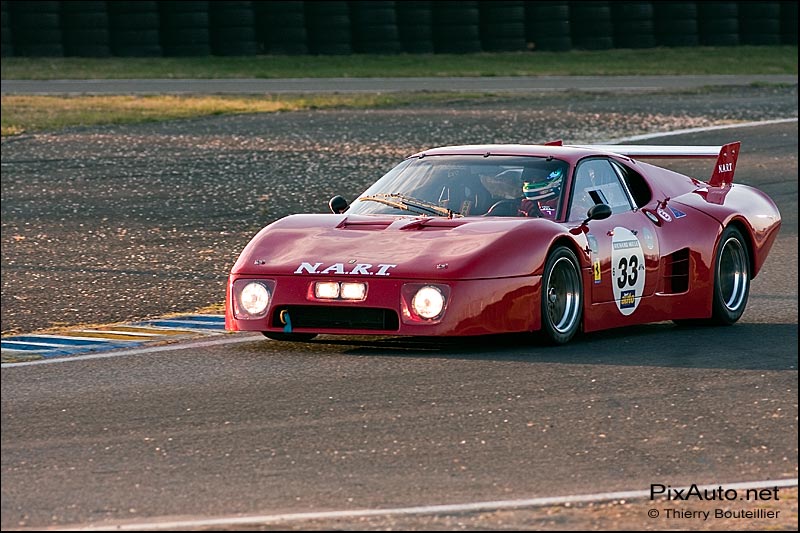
(365, 225)
(676, 272)
(329, 317)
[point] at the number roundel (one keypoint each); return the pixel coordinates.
(627, 270)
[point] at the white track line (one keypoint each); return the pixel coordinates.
(648, 136)
(423, 510)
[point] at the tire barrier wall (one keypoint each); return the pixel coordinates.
(134, 28)
(142, 28)
(85, 29)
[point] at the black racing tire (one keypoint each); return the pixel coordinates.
(731, 282)
(562, 297)
(289, 337)
(731, 278)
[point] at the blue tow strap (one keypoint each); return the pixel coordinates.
(287, 328)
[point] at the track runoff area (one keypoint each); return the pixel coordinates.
(192, 330)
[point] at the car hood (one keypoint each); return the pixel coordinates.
(399, 247)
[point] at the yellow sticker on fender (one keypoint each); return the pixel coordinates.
(596, 269)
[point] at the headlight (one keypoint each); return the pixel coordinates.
(354, 291)
(326, 289)
(338, 290)
(428, 302)
(254, 299)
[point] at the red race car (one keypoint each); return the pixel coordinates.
(475, 240)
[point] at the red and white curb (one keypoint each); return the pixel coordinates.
(38, 346)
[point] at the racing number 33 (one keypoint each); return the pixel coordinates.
(627, 259)
(626, 277)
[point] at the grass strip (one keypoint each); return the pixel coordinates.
(27, 114)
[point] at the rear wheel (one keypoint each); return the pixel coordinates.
(562, 296)
(290, 337)
(731, 282)
(731, 278)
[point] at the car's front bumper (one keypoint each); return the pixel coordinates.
(474, 307)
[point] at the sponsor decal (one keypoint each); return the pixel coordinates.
(624, 245)
(627, 299)
(725, 167)
(677, 213)
(627, 270)
(664, 215)
(363, 269)
(597, 271)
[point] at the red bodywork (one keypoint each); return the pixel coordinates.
(491, 267)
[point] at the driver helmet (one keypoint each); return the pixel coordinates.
(544, 189)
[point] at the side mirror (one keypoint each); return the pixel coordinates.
(597, 212)
(338, 205)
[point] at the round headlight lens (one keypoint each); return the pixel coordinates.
(255, 298)
(428, 302)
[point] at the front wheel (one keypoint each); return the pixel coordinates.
(291, 337)
(562, 296)
(731, 278)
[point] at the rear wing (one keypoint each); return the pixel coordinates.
(726, 155)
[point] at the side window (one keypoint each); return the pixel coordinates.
(637, 185)
(596, 181)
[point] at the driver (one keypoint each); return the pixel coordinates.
(541, 196)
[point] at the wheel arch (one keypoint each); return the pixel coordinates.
(749, 243)
(563, 240)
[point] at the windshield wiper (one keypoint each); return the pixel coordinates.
(407, 203)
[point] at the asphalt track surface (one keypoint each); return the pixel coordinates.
(263, 427)
(514, 84)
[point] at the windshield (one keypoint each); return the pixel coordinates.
(455, 186)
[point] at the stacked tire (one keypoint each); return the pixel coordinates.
(502, 25)
(328, 27)
(374, 25)
(37, 28)
(760, 23)
(6, 44)
(676, 24)
(718, 23)
(789, 22)
(85, 28)
(547, 26)
(591, 25)
(184, 27)
(415, 26)
(456, 27)
(281, 27)
(633, 24)
(232, 28)
(134, 28)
